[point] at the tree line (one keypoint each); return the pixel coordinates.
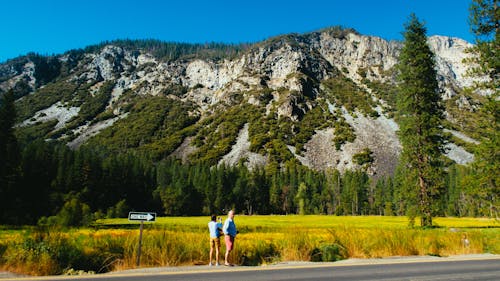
(53, 184)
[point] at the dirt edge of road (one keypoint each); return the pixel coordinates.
(7, 276)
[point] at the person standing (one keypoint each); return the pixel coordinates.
(215, 229)
(230, 232)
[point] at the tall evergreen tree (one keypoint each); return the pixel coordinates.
(420, 115)
(9, 159)
(485, 24)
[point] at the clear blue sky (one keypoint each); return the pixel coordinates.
(55, 26)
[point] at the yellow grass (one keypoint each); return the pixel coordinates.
(277, 222)
(294, 237)
(173, 241)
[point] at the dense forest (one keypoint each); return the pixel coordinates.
(57, 185)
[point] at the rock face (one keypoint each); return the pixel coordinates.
(56, 112)
(290, 68)
(355, 52)
(241, 150)
(449, 61)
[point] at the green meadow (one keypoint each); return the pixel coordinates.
(111, 244)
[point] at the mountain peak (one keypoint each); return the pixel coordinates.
(320, 97)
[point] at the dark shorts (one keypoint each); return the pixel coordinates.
(229, 242)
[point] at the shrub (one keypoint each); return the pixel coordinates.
(153, 122)
(262, 252)
(343, 133)
(50, 253)
(365, 157)
(73, 213)
(120, 210)
(345, 91)
(327, 253)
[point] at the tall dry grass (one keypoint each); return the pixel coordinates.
(262, 240)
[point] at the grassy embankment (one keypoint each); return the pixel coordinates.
(172, 241)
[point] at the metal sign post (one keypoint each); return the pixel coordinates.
(138, 262)
(142, 217)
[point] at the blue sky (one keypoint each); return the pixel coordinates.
(55, 26)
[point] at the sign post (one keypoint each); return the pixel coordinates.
(142, 217)
(138, 261)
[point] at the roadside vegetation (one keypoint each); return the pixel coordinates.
(111, 244)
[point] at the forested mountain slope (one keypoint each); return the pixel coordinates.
(325, 98)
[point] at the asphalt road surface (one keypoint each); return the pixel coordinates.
(474, 269)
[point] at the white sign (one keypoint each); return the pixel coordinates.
(142, 216)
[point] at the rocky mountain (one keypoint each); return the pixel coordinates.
(324, 98)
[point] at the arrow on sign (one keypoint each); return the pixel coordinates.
(141, 216)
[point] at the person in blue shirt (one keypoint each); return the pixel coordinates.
(215, 229)
(230, 232)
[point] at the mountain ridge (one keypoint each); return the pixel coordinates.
(323, 97)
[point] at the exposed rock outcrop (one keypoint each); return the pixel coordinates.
(289, 68)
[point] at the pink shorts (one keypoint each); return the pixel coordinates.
(229, 242)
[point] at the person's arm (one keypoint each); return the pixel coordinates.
(225, 227)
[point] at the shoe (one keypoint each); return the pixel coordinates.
(210, 264)
(217, 264)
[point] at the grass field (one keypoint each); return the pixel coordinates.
(277, 222)
(171, 241)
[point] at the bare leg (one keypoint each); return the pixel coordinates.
(211, 254)
(226, 257)
(216, 256)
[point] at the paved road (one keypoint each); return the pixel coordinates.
(475, 269)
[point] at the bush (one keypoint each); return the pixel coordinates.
(328, 253)
(331, 252)
(343, 133)
(343, 90)
(153, 122)
(263, 252)
(73, 213)
(50, 253)
(120, 210)
(365, 157)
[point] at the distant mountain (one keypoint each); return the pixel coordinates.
(325, 98)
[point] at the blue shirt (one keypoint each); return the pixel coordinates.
(213, 227)
(229, 227)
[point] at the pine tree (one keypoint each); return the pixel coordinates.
(420, 115)
(301, 198)
(485, 24)
(9, 159)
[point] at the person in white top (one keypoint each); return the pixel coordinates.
(230, 233)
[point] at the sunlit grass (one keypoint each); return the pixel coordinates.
(111, 244)
(278, 223)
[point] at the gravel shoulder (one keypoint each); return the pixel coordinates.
(282, 265)
(348, 262)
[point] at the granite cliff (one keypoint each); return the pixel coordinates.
(321, 98)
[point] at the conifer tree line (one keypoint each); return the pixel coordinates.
(56, 185)
(48, 183)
